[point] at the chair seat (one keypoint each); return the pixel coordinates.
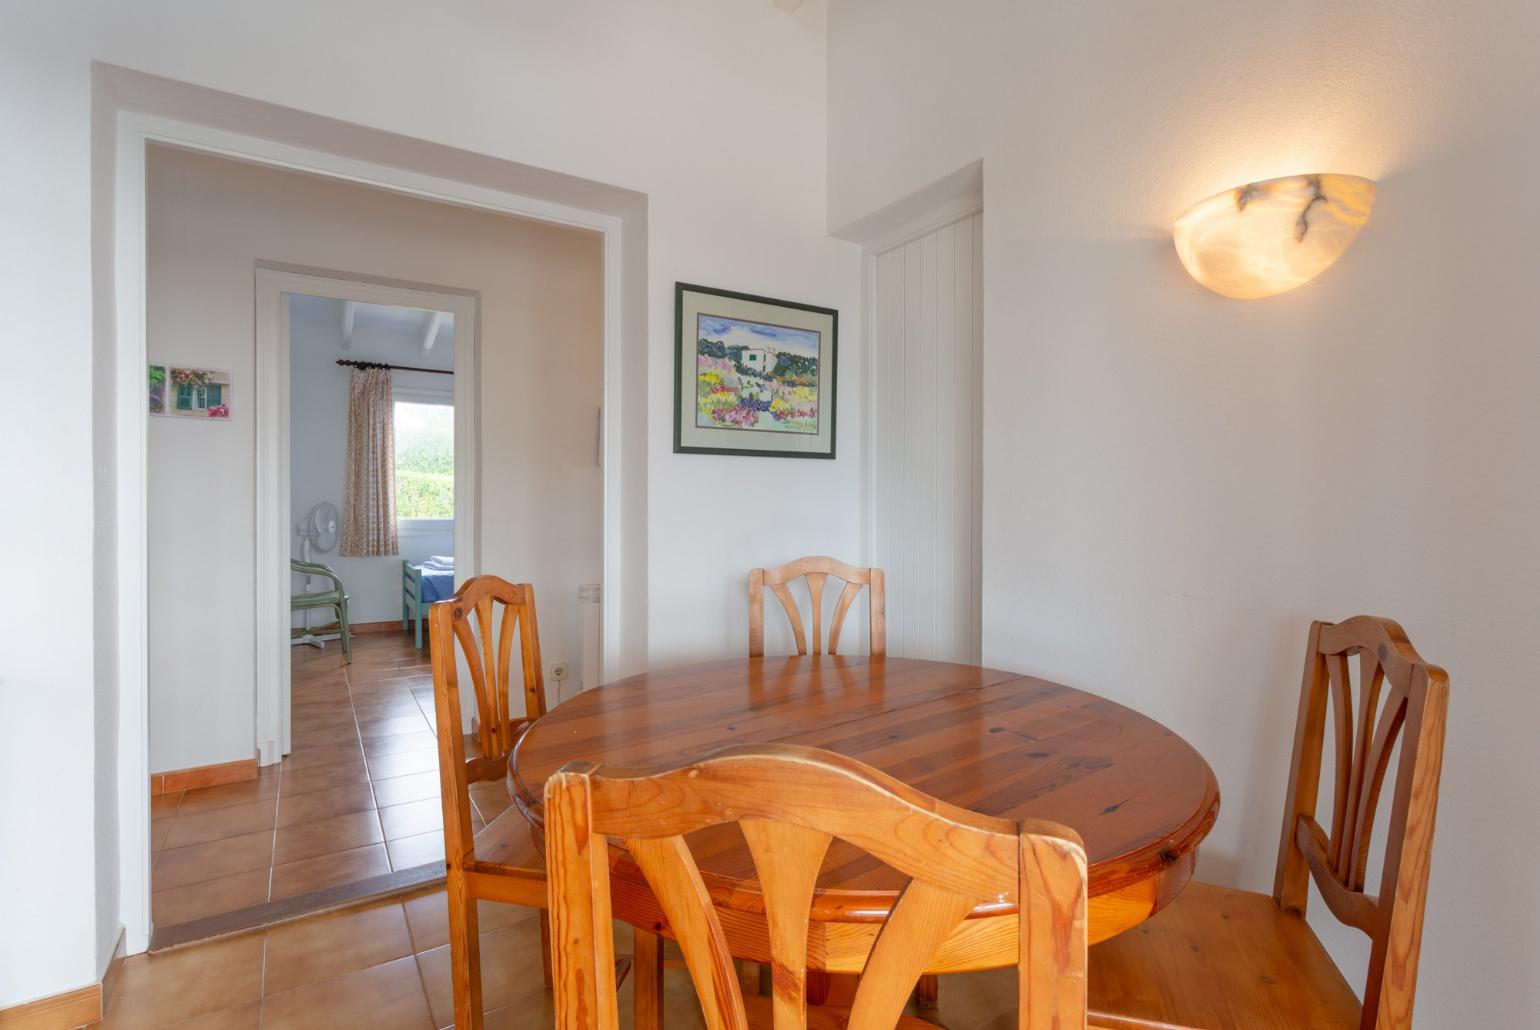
(1219, 958)
(509, 864)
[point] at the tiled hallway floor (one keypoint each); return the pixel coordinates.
(385, 966)
(357, 797)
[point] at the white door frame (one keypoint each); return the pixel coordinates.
(963, 198)
(273, 517)
(133, 132)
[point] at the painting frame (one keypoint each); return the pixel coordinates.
(156, 386)
(211, 388)
(769, 315)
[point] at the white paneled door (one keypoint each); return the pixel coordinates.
(925, 440)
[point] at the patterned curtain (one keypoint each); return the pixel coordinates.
(369, 503)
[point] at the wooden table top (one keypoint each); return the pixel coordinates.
(994, 742)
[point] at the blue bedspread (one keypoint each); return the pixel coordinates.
(437, 584)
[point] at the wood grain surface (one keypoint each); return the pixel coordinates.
(997, 743)
(1228, 958)
(791, 803)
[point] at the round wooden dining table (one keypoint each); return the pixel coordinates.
(994, 742)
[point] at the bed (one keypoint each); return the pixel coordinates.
(421, 586)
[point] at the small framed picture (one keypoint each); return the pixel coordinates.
(202, 393)
(753, 375)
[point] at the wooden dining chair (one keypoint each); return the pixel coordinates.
(503, 861)
(817, 571)
(500, 862)
(790, 803)
(1218, 957)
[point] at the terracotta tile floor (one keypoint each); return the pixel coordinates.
(386, 965)
(357, 797)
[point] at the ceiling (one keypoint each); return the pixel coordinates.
(386, 317)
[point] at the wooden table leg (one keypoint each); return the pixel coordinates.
(647, 967)
(748, 976)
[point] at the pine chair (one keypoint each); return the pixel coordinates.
(790, 802)
(817, 570)
(503, 861)
(1218, 957)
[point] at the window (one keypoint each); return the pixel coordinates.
(425, 460)
(190, 397)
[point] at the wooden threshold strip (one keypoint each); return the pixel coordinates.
(287, 910)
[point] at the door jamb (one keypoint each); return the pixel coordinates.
(273, 515)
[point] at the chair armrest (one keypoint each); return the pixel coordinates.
(310, 568)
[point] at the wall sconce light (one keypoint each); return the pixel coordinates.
(1271, 236)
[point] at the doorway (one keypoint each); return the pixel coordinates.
(344, 800)
(927, 436)
(315, 333)
(142, 113)
(248, 699)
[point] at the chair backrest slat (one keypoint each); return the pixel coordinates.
(1401, 700)
(816, 571)
(675, 879)
(1342, 709)
(793, 615)
(841, 607)
(790, 803)
(787, 858)
(921, 919)
(470, 624)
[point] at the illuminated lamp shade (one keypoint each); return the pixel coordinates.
(1268, 237)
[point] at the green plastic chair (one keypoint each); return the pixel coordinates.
(335, 599)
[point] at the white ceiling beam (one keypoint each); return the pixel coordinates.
(349, 313)
(430, 333)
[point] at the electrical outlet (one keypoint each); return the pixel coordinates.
(559, 671)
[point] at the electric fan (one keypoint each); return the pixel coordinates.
(318, 530)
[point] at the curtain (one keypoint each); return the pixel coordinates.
(369, 502)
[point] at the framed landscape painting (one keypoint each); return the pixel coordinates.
(752, 375)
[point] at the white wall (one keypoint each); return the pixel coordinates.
(541, 368)
(48, 666)
(318, 450)
(714, 110)
(1175, 483)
